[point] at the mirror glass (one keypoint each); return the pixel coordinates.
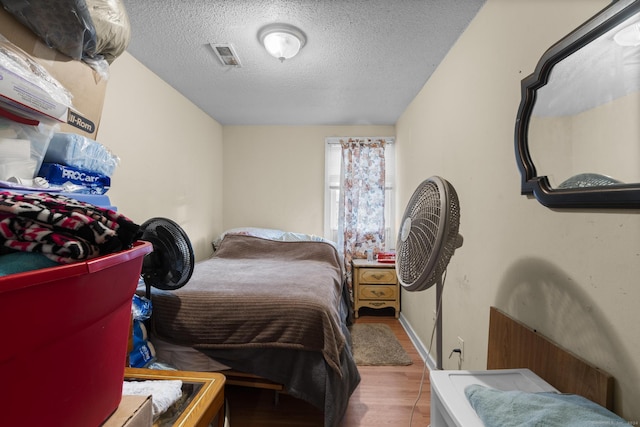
(586, 119)
(578, 127)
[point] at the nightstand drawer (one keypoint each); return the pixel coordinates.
(375, 285)
(377, 275)
(379, 292)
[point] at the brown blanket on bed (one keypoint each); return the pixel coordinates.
(258, 293)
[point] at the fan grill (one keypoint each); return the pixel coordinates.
(429, 235)
(170, 265)
(588, 180)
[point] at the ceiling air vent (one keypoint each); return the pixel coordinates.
(226, 54)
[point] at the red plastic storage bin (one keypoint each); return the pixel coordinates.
(64, 340)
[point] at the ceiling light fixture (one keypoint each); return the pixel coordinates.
(282, 41)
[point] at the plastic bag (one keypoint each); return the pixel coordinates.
(22, 148)
(65, 25)
(78, 151)
(113, 30)
(74, 180)
(143, 354)
(140, 308)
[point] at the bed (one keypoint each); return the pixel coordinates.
(530, 380)
(270, 305)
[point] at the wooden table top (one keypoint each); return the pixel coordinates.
(202, 406)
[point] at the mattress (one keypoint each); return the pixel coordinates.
(449, 405)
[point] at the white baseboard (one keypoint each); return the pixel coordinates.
(422, 349)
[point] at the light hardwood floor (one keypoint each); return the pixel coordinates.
(385, 396)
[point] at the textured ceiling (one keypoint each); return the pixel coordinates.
(364, 61)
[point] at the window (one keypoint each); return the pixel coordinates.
(333, 158)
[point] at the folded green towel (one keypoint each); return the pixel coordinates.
(19, 262)
(522, 409)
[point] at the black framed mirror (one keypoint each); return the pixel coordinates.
(577, 136)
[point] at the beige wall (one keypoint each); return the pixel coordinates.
(171, 153)
(274, 175)
(573, 276)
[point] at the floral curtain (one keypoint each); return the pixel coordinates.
(361, 212)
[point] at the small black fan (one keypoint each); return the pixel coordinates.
(171, 263)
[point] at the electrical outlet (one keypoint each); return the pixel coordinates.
(461, 347)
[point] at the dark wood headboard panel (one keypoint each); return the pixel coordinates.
(514, 345)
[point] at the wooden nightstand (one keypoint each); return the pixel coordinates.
(375, 285)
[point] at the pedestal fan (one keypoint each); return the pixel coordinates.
(427, 240)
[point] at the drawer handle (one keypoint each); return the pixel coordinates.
(378, 276)
(378, 293)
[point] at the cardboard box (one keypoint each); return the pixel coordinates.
(133, 411)
(85, 84)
